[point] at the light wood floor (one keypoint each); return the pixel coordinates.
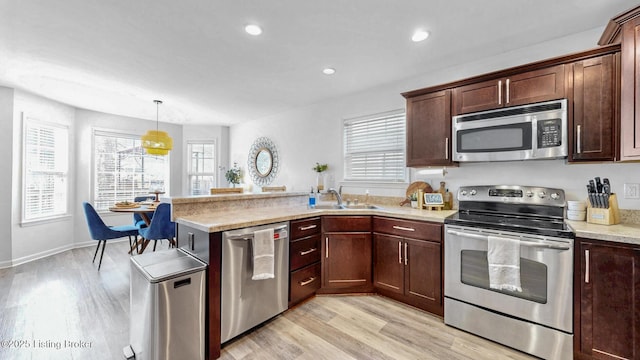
(64, 298)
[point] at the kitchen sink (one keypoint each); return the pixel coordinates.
(343, 207)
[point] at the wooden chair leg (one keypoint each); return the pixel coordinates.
(104, 245)
(155, 243)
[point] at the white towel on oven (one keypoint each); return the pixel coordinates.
(503, 256)
(263, 249)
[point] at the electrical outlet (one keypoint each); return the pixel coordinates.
(632, 191)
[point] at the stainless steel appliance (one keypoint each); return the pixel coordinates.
(246, 303)
(535, 315)
(536, 131)
(167, 306)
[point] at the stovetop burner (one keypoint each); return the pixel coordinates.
(525, 209)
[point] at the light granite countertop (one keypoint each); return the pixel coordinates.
(235, 219)
(622, 233)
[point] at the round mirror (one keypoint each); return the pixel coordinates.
(263, 161)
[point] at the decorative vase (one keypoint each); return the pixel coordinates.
(414, 204)
(320, 181)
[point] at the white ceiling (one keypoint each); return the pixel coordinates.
(116, 56)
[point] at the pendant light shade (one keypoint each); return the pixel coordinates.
(157, 142)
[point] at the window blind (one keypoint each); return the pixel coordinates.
(374, 147)
(202, 168)
(46, 162)
(122, 170)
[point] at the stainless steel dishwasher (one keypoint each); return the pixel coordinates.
(246, 303)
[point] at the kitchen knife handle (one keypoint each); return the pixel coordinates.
(579, 139)
(586, 266)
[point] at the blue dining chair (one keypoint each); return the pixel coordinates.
(137, 219)
(101, 232)
(161, 227)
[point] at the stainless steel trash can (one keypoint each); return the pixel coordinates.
(167, 307)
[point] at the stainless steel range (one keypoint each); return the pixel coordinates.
(509, 268)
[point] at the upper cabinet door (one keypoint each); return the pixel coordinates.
(519, 89)
(594, 102)
(429, 129)
(630, 97)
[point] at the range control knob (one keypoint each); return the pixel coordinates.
(473, 192)
(555, 196)
(529, 193)
(542, 194)
(463, 192)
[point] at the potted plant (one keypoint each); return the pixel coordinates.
(233, 175)
(414, 200)
(320, 168)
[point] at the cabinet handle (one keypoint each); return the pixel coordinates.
(308, 281)
(192, 241)
(400, 252)
(302, 253)
(579, 139)
(303, 228)
(326, 247)
(446, 148)
(586, 266)
(403, 228)
(406, 258)
(507, 85)
(500, 92)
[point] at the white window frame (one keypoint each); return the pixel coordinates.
(61, 171)
(193, 172)
(94, 172)
(360, 147)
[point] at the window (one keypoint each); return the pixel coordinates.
(123, 171)
(374, 148)
(46, 163)
(202, 165)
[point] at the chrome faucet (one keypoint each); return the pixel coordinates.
(337, 194)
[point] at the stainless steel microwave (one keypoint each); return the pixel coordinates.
(527, 132)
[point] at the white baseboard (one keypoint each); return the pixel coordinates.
(43, 254)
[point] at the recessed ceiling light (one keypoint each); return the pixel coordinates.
(328, 71)
(420, 35)
(253, 29)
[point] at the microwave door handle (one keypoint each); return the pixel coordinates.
(522, 243)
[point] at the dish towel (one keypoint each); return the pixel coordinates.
(503, 256)
(263, 254)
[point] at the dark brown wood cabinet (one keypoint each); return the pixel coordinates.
(593, 114)
(517, 89)
(408, 262)
(346, 254)
(607, 306)
(304, 259)
(625, 29)
(429, 129)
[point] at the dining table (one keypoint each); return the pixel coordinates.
(142, 209)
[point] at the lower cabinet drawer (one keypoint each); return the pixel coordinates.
(304, 252)
(304, 283)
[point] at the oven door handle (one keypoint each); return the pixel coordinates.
(522, 242)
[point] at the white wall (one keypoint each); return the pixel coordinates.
(313, 134)
(6, 180)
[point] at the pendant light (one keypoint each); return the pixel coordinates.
(157, 142)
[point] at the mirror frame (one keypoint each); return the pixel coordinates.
(259, 146)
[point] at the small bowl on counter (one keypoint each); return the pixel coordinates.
(578, 215)
(576, 205)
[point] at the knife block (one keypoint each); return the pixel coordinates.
(609, 216)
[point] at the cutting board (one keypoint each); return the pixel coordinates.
(414, 187)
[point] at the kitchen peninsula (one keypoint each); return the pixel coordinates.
(202, 219)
